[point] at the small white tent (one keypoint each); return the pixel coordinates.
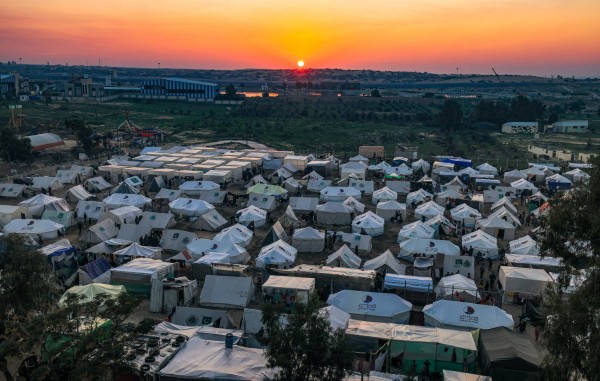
(97, 184)
(369, 223)
(100, 232)
(487, 169)
(523, 185)
(91, 209)
(358, 206)
(123, 215)
(44, 229)
(195, 188)
(420, 165)
(226, 292)
(521, 281)
(10, 212)
(385, 263)
(497, 227)
(455, 287)
(390, 209)
(481, 242)
(514, 175)
(428, 210)
(45, 182)
(308, 240)
(278, 254)
(176, 240)
(464, 213)
(252, 214)
(504, 202)
(372, 306)
(418, 196)
(344, 257)
(38, 203)
(212, 221)
(384, 194)
(190, 207)
(339, 193)
(415, 229)
(78, 193)
(334, 213)
(118, 200)
(238, 234)
(525, 245)
(460, 315)
(428, 247)
(289, 219)
(135, 250)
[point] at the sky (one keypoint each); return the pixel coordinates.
(548, 37)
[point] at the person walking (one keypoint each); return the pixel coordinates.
(492, 280)
(79, 225)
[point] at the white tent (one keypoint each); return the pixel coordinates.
(304, 204)
(315, 185)
(359, 158)
(344, 257)
(66, 219)
(100, 232)
(252, 214)
(372, 306)
(82, 170)
(558, 179)
(358, 206)
(389, 209)
(159, 221)
(238, 234)
(91, 209)
(118, 200)
(226, 292)
(522, 184)
(504, 202)
(384, 194)
(403, 170)
(122, 215)
(339, 193)
(212, 257)
(455, 184)
(418, 196)
(464, 213)
(334, 213)
(338, 319)
(525, 245)
(211, 221)
(468, 171)
(176, 240)
(291, 185)
(523, 260)
(258, 179)
(442, 222)
(124, 188)
(169, 194)
(481, 242)
(261, 201)
(278, 254)
(365, 187)
(195, 188)
(308, 240)
(136, 250)
(420, 165)
(45, 182)
(362, 241)
(66, 176)
(190, 207)
(198, 248)
(10, 212)
(97, 184)
(497, 227)
(487, 169)
(577, 175)
(443, 197)
(38, 203)
(289, 219)
(514, 175)
(369, 223)
(385, 263)
(78, 193)
(415, 229)
(11, 190)
(312, 176)
(454, 314)
(428, 247)
(457, 286)
(132, 232)
(517, 280)
(428, 210)
(357, 169)
(35, 228)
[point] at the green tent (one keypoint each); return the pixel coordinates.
(268, 190)
(65, 218)
(394, 176)
(90, 291)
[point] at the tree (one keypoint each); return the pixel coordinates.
(13, 148)
(451, 116)
(84, 134)
(230, 91)
(524, 109)
(306, 348)
(571, 231)
(375, 93)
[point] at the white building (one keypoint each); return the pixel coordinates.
(520, 128)
(569, 126)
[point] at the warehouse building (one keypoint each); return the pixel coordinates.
(570, 126)
(177, 88)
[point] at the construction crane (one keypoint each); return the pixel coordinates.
(496, 74)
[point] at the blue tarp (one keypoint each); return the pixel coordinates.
(96, 268)
(458, 161)
(558, 185)
(272, 164)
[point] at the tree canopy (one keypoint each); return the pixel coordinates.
(13, 148)
(305, 349)
(571, 231)
(451, 116)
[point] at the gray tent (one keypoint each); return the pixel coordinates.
(275, 234)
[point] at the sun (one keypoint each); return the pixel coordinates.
(300, 63)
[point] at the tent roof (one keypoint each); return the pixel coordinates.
(418, 195)
(267, 189)
(385, 259)
(494, 221)
(199, 186)
(464, 211)
(90, 291)
(524, 273)
(369, 303)
(346, 255)
(504, 201)
(524, 259)
(290, 282)
(137, 250)
(471, 315)
(523, 245)
(334, 207)
(358, 206)
(416, 229)
(505, 346)
(429, 209)
(308, 233)
(390, 205)
(226, 291)
(480, 239)
(385, 192)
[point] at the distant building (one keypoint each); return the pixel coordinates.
(9, 84)
(520, 128)
(177, 88)
(83, 87)
(570, 126)
(549, 153)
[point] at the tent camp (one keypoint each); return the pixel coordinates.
(88, 293)
(497, 227)
(196, 188)
(391, 209)
(415, 229)
(289, 219)
(358, 206)
(481, 242)
(45, 182)
(344, 257)
(176, 240)
(10, 212)
(304, 204)
(190, 207)
(308, 240)
(384, 194)
(253, 215)
(38, 203)
(34, 228)
(428, 210)
(97, 184)
(11, 190)
(135, 250)
(78, 193)
(278, 254)
(238, 234)
(91, 209)
(429, 247)
(226, 291)
(123, 215)
(525, 245)
(385, 263)
(372, 306)
(100, 232)
(465, 316)
(457, 287)
(506, 355)
(334, 213)
(339, 193)
(368, 223)
(66, 219)
(418, 196)
(518, 282)
(118, 200)
(262, 201)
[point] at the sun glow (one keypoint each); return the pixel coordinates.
(300, 64)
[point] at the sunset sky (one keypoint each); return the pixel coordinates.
(547, 37)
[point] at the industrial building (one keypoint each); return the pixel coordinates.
(520, 128)
(177, 88)
(45, 141)
(570, 126)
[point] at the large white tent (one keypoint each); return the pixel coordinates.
(487, 169)
(385, 263)
(481, 242)
(457, 286)
(226, 292)
(45, 182)
(44, 229)
(190, 207)
(38, 203)
(264, 202)
(506, 215)
(504, 202)
(344, 257)
(200, 247)
(238, 234)
(428, 210)
(278, 254)
(369, 223)
(358, 169)
(78, 193)
(524, 245)
(211, 221)
(176, 240)
(308, 240)
(523, 185)
(428, 247)
(514, 175)
(497, 227)
(389, 209)
(91, 209)
(289, 219)
(358, 206)
(252, 214)
(196, 188)
(118, 200)
(577, 175)
(97, 184)
(10, 212)
(317, 185)
(461, 315)
(122, 215)
(158, 221)
(100, 232)
(464, 214)
(415, 229)
(10, 190)
(417, 196)
(136, 250)
(339, 193)
(384, 194)
(372, 306)
(522, 281)
(455, 185)
(421, 165)
(334, 213)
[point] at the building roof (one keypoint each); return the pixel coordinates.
(191, 81)
(45, 141)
